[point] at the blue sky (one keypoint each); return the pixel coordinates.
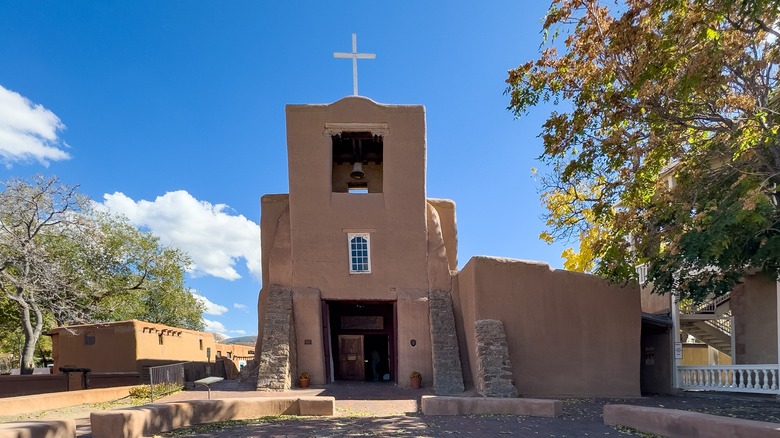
(172, 112)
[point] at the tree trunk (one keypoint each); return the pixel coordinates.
(31, 335)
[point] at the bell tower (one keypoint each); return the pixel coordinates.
(352, 253)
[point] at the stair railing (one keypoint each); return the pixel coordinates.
(724, 325)
(708, 306)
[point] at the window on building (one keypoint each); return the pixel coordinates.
(89, 339)
(200, 343)
(160, 338)
(359, 253)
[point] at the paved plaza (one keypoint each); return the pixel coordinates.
(382, 409)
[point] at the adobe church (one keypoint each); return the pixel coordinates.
(361, 280)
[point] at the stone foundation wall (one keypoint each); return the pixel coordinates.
(494, 369)
(277, 363)
(447, 370)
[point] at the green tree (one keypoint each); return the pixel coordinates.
(665, 149)
(61, 259)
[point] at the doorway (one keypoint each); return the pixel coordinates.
(362, 338)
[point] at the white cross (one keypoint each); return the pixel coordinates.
(355, 56)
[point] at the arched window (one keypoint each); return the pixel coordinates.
(359, 253)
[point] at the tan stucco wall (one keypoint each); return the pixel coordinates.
(568, 333)
(128, 345)
(413, 323)
(178, 344)
(233, 350)
(321, 219)
(439, 274)
(464, 307)
(307, 308)
(446, 211)
(114, 348)
(655, 303)
(754, 307)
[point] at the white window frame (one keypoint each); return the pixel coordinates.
(351, 256)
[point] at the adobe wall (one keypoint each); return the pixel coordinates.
(568, 333)
(655, 303)
(13, 386)
(413, 324)
(234, 350)
(463, 306)
(127, 346)
(754, 306)
(114, 347)
(449, 229)
(177, 344)
(307, 306)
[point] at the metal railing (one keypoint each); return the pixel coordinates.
(708, 306)
(724, 324)
(641, 271)
(761, 379)
(165, 379)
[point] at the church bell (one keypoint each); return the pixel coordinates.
(357, 171)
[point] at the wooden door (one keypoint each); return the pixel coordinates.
(351, 357)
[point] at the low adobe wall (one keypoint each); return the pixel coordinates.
(676, 423)
(442, 405)
(12, 386)
(568, 333)
(41, 402)
(39, 429)
(162, 417)
(15, 386)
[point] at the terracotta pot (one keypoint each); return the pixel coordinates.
(303, 383)
(416, 382)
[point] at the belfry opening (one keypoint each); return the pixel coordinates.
(357, 162)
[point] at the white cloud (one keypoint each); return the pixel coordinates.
(28, 131)
(218, 327)
(214, 327)
(214, 239)
(241, 307)
(210, 308)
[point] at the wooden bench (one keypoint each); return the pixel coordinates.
(206, 381)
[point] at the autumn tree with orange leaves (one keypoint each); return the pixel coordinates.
(664, 145)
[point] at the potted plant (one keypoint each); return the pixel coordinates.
(303, 380)
(415, 378)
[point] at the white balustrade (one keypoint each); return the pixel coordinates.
(731, 378)
(641, 272)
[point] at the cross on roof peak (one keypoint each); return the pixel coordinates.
(355, 56)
